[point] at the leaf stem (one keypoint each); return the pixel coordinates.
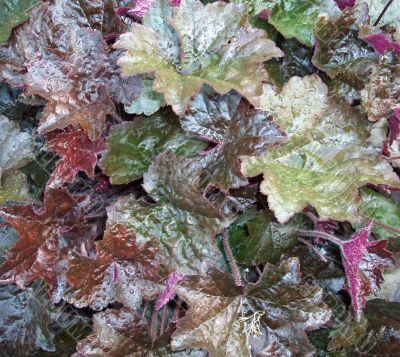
(383, 225)
(315, 250)
(234, 267)
(153, 324)
(313, 217)
(318, 234)
(383, 12)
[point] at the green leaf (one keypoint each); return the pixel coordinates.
(13, 187)
(132, 146)
(326, 159)
(265, 241)
(148, 102)
(211, 44)
(13, 13)
(182, 219)
(236, 127)
(339, 50)
(383, 209)
(296, 18)
(268, 318)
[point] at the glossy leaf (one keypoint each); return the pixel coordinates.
(237, 129)
(45, 237)
(229, 321)
(13, 13)
(16, 147)
(228, 57)
(325, 160)
(183, 221)
(339, 50)
(132, 146)
(78, 153)
(363, 261)
(122, 271)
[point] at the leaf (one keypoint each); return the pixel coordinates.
(363, 261)
(73, 76)
(265, 241)
(169, 292)
(183, 221)
(379, 40)
(377, 6)
(326, 159)
(16, 147)
(237, 129)
(13, 13)
(78, 153)
(13, 187)
(132, 146)
(122, 271)
(339, 51)
(148, 102)
(271, 316)
(383, 209)
(24, 320)
(218, 48)
(45, 237)
(124, 333)
(343, 4)
(381, 96)
(296, 18)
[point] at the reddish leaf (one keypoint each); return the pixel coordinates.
(394, 126)
(46, 236)
(122, 270)
(363, 261)
(78, 153)
(382, 43)
(342, 4)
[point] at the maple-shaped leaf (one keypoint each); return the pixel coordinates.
(24, 322)
(14, 186)
(122, 271)
(78, 153)
(13, 13)
(132, 146)
(125, 333)
(237, 129)
(183, 221)
(363, 261)
(269, 318)
(339, 51)
(45, 237)
(199, 44)
(376, 7)
(381, 95)
(261, 239)
(296, 18)
(326, 159)
(16, 147)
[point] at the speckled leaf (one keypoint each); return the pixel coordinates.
(211, 44)
(296, 18)
(122, 271)
(376, 7)
(381, 96)
(148, 102)
(13, 13)
(339, 50)
(363, 261)
(14, 186)
(237, 129)
(262, 240)
(16, 147)
(182, 219)
(326, 159)
(24, 322)
(46, 236)
(78, 153)
(132, 146)
(220, 313)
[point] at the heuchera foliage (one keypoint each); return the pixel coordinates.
(199, 178)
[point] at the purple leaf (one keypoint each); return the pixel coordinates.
(382, 43)
(169, 292)
(362, 261)
(343, 4)
(394, 126)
